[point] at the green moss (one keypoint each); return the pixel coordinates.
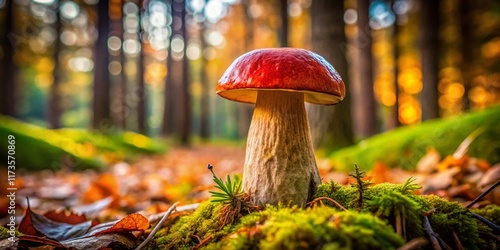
(490, 212)
(316, 228)
(5, 233)
(451, 216)
(325, 227)
(188, 230)
(405, 146)
(345, 195)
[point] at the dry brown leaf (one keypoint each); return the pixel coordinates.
(133, 222)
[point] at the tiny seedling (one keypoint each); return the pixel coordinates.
(230, 190)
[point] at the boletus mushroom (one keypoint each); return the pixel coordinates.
(279, 161)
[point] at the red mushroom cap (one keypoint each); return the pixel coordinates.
(285, 69)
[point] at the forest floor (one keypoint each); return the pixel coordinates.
(154, 182)
(151, 184)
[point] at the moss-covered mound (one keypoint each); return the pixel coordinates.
(37, 148)
(389, 216)
(404, 146)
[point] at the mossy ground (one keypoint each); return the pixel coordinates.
(404, 147)
(324, 225)
(76, 148)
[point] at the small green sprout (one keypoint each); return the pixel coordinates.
(360, 184)
(409, 186)
(231, 189)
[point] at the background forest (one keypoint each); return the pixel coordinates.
(151, 66)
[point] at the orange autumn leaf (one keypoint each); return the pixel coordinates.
(133, 222)
(105, 186)
(380, 173)
(450, 161)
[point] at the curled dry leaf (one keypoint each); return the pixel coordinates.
(133, 222)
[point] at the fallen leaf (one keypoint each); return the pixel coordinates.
(429, 161)
(117, 241)
(39, 225)
(380, 173)
(105, 186)
(29, 241)
(133, 222)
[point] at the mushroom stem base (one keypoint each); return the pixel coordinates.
(279, 163)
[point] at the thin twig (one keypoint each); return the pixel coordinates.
(329, 199)
(432, 235)
(458, 243)
(416, 243)
(203, 242)
(486, 222)
(158, 226)
(483, 194)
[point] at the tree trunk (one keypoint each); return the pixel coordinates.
(168, 125)
(7, 86)
(393, 120)
(365, 107)
(185, 122)
(283, 35)
(331, 126)
(122, 93)
(466, 8)
(142, 126)
(429, 56)
(101, 101)
(205, 89)
(54, 111)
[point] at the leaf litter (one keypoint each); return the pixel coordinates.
(115, 208)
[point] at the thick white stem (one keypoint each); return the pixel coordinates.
(279, 163)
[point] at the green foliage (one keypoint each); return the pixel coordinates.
(361, 185)
(451, 216)
(394, 203)
(406, 145)
(490, 212)
(345, 195)
(409, 186)
(316, 228)
(203, 223)
(231, 190)
(38, 148)
(76, 148)
(325, 227)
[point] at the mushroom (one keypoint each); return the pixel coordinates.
(279, 163)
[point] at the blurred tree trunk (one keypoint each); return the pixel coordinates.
(205, 86)
(365, 107)
(393, 119)
(7, 86)
(101, 101)
(466, 9)
(54, 108)
(168, 124)
(283, 35)
(331, 126)
(429, 56)
(122, 86)
(244, 110)
(142, 126)
(185, 122)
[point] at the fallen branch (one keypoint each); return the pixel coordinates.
(488, 223)
(431, 234)
(416, 243)
(158, 226)
(483, 194)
